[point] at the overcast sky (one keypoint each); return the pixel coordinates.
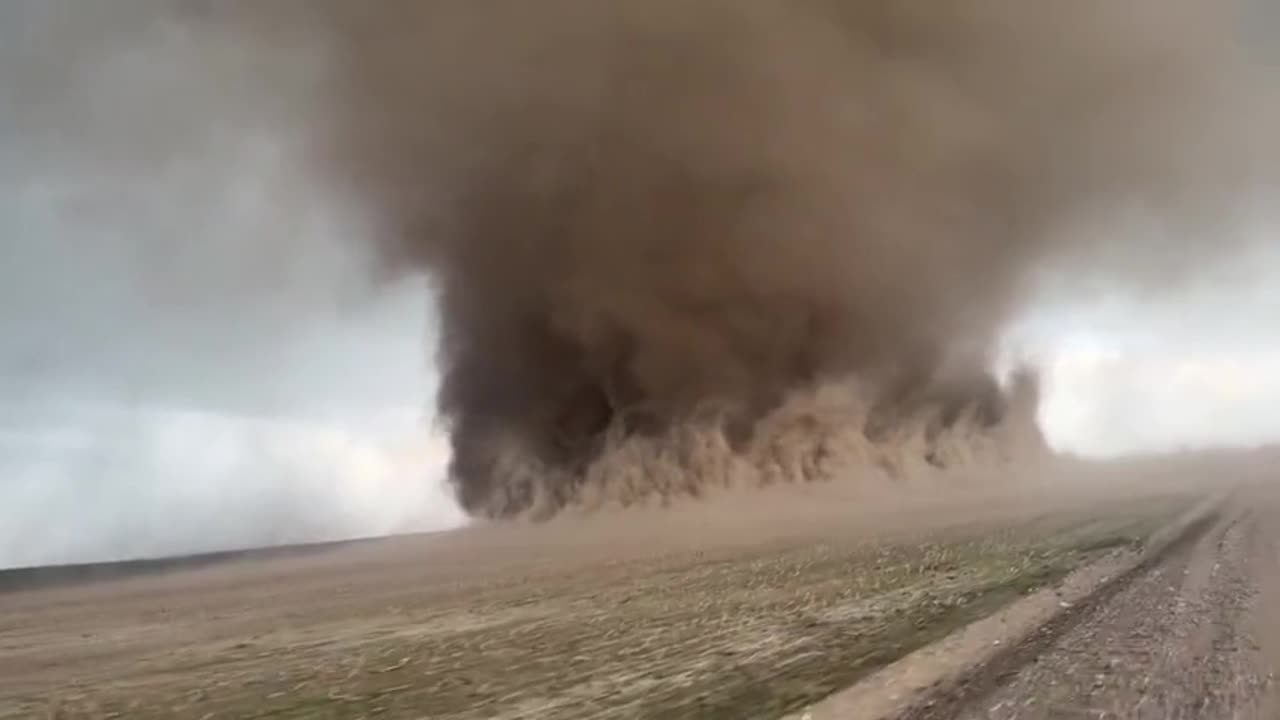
(1195, 366)
(192, 358)
(151, 407)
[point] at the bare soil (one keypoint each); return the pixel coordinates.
(1189, 637)
(746, 605)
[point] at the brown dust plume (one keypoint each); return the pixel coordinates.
(681, 243)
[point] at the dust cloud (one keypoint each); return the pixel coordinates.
(680, 245)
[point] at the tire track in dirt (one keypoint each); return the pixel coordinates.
(1266, 622)
(1178, 640)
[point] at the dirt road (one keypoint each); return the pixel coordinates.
(750, 606)
(1192, 636)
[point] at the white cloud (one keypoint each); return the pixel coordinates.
(1194, 365)
(1127, 403)
(109, 483)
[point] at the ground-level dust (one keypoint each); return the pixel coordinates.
(757, 604)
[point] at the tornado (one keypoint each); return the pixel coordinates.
(682, 244)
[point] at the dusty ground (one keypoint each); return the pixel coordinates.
(748, 605)
(1192, 636)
